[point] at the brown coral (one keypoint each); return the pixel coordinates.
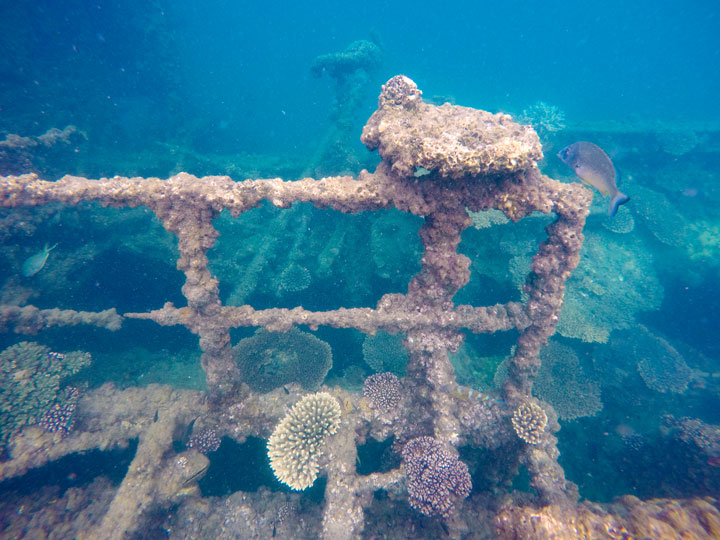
(529, 421)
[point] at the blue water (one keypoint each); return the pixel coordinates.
(226, 87)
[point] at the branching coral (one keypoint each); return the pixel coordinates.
(529, 421)
(382, 390)
(30, 385)
(436, 480)
(295, 446)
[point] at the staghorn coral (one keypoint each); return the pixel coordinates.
(268, 360)
(449, 140)
(385, 352)
(382, 390)
(436, 480)
(296, 445)
(562, 382)
(529, 421)
(30, 381)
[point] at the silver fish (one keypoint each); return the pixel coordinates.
(593, 166)
(35, 263)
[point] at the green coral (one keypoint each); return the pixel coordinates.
(385, 352)
(295, 445)
(615, 280)
(269, 360)
(562, 382)
(30, 383)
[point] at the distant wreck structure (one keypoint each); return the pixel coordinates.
(438, 162)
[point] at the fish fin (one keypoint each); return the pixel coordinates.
(616, 201)
(51, 248)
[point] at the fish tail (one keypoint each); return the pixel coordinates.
(615, 202)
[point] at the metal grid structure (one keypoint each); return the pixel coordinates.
(432, 323)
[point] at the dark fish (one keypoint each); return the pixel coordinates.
(594, 167)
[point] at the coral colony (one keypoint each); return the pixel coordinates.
(467, 159)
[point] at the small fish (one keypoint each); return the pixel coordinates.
(56, 355)
(714, 461)
(35, 263)
(593, 166)
(466, 393)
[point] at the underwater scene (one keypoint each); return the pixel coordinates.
(363, 270)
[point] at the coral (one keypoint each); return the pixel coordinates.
(268, 360)
(545, 118)
(205, 441)
(660, 216)
(529, 421)
(488, 218)
(31, 377)
(451, 141)
(436, 480)
(615, 280)
(296, 445)
(382, 390)
(621, 223)
(426, 314)
(61, 418)
(659, 364)
(294, 278)
(704, 436)
(562, 382)
(385, 352)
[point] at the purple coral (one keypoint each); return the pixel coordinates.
(205, 441)
(435, 478)
(382, 390)
(59, 418)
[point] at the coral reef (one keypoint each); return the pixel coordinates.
(268, 360)
(30, 385)
(382, 390)
(492, 164)
(435, 478)
(296, 445)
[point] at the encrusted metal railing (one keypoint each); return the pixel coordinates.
(437, 162)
